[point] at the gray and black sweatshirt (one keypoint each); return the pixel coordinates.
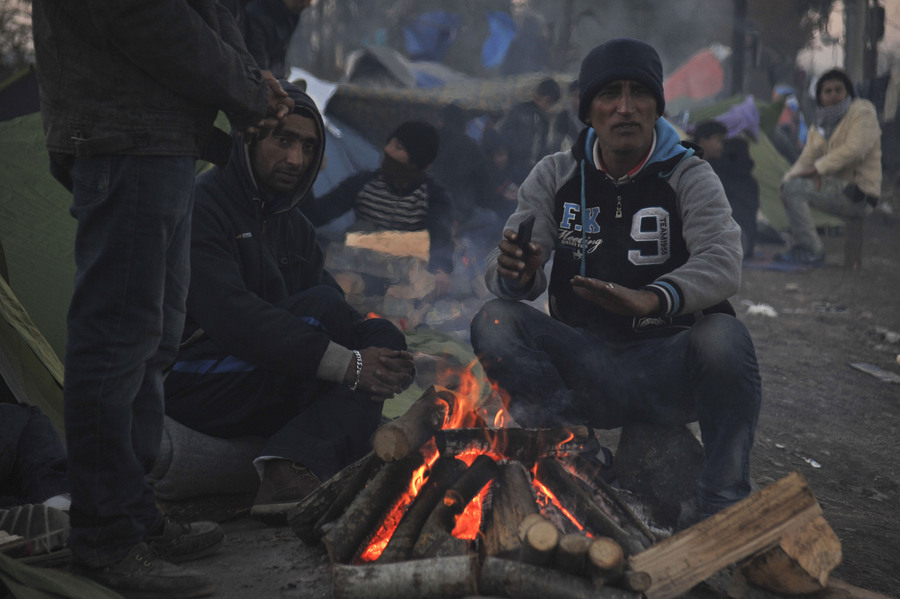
(667, 229)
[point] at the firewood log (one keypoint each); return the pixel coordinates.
(800, 563)
(578, 500)
(572, 553)
(756, 523)
(438, 527)
(398, 438)
(435, 578)
(331, 498)
(539, 543)
(507, 578)
(517, 444)
(606, 560)
(343, 540)
(444, 473)
(512, 498)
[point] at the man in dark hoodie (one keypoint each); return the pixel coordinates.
(270, 347)
(645, 256)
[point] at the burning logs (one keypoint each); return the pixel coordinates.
(578, 500)
(436, 537)
(444, 473)
(398, 438)
(343, 540)
(517, 444)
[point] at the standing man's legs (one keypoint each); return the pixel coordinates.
(124, 320)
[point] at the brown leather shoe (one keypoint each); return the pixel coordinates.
(283, 486)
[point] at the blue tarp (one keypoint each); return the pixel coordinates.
(503, 30)
(430, 35)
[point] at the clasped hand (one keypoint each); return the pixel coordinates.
(385, 372)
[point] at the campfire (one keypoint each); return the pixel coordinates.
(455, 501)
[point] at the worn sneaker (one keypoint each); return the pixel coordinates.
(179, 542)
(283, 486)
(142, 574)
(801, 257)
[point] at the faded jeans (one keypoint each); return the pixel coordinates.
(799, 193)
(124, 326)
(560, 375)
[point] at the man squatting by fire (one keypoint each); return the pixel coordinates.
(270, 347)
(646, 254)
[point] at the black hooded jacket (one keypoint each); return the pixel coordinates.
(249, 252)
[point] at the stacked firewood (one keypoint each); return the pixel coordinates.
(584, 543)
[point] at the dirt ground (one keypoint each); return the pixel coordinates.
(835, 424)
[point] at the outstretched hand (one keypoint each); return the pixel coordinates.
(385, 372)
(616, 298)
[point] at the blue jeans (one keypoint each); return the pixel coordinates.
(558, 375)
(124, 326)
(320, 424)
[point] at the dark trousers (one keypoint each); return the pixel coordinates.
(556, 374)
(124, 326)
(319, 424)
(32, 456)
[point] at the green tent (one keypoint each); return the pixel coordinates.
(37, 236)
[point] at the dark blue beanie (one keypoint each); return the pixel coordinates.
(421, 141)
(618, 59)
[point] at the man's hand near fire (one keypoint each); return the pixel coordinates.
(513, 264)
(384, 373)
(616, 298)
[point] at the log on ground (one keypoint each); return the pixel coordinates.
(436, 578)
(507, 578)
(683, 560)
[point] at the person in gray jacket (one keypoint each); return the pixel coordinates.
(129, 92)
(645, 255)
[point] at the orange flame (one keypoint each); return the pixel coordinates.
(386, 530)
(468, 524)
(545, 497)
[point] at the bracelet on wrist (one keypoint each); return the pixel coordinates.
(355, 384)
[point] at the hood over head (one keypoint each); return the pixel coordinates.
(303, 106)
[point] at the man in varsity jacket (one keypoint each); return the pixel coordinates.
(645, 256)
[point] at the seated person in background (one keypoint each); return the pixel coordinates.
(528, 128)
(270, 348)
(730, 158)
(838, 171)
(567, 125)
(645, 257)
(399, 196)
